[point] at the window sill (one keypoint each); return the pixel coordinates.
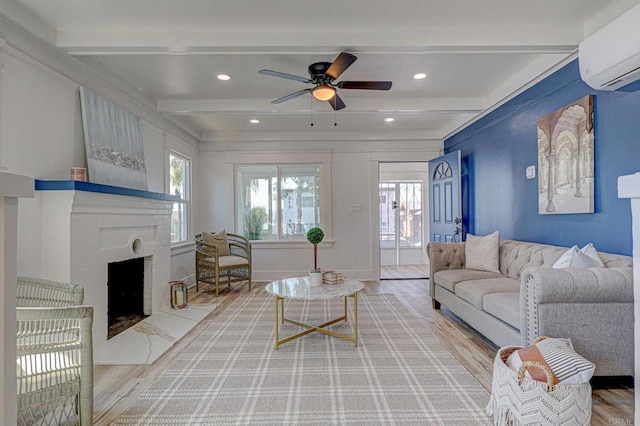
(288, 244)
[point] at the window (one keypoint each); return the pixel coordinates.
(179, 185)
(277, 202)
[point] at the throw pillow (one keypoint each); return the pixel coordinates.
(218, 240)
(565, 259)
(482, 253)
(567, 366)
(591, 251)
(581, 260)
(587, 257)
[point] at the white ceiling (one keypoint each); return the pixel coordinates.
(475, 54)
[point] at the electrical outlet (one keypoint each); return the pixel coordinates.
(531, 172)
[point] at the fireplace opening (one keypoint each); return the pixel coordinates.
(125, 284)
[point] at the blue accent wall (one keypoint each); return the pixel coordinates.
(497, 148)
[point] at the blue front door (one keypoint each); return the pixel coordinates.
(445, 206)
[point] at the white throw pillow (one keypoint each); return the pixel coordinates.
(581, 260)
(591, 251)
(565, 259)
(482, 253)
(587, 257)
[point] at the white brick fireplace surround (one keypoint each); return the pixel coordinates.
(85, 227)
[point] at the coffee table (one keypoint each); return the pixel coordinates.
(300, 288)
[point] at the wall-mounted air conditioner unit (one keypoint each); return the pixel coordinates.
(610, 58)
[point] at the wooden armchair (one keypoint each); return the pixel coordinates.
(216, 269)
(54, 364)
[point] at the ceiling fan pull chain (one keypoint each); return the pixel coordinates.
(311, 111)
(335, 113)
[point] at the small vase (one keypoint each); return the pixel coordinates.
(315, 278)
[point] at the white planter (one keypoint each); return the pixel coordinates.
(315, 278)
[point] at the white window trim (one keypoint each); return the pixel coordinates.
(187, 199)
(320, 158)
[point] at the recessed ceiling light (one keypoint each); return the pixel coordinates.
(254, 121)
(223, 77)
(389, 119)
(420, 76)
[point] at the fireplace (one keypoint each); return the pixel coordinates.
(86, 230)
(125, 295)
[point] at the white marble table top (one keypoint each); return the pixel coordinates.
(300, 288)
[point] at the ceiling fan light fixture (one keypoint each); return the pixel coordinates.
(323, 92)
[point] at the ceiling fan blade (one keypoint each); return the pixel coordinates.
(285, 75)
(342, 62)
(336, 103)
(291, 96)
(365, 85)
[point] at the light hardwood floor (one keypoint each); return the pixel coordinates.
(117, 387)
(403, 272)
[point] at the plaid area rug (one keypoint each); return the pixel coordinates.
(232, 375)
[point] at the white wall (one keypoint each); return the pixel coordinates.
(354, 182)
(41, 136)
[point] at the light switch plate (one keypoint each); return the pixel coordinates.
(531, 172)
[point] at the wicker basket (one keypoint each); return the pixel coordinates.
(519, 400)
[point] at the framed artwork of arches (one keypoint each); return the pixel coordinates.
(565, 159)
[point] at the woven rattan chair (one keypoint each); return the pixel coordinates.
(54, 364)
(215, 269)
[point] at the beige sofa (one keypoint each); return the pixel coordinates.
(528, 298)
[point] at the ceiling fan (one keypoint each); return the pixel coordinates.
(322, 76)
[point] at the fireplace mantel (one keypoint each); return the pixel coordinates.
(76, 185)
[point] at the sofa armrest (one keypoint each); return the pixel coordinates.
(580, 285)
(444, 256)
(546, 292)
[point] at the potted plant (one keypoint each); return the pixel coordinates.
(315, 236)
(254, 222)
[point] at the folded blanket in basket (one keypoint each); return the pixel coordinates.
(557, 354)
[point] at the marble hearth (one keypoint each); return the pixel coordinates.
(85, 227)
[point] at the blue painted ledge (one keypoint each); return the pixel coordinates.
(76, 185)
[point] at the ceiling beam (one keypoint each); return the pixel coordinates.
(525, 39)
(320, 136)
(396, 105)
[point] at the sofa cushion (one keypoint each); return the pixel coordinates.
(481, 253)
(504, 306)
(450, 277)
(474, 291)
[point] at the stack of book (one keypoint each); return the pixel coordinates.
(332, 277)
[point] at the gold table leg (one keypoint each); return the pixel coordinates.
(319, 328)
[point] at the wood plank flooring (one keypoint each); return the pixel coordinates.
(117, 387)
(403, 272)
